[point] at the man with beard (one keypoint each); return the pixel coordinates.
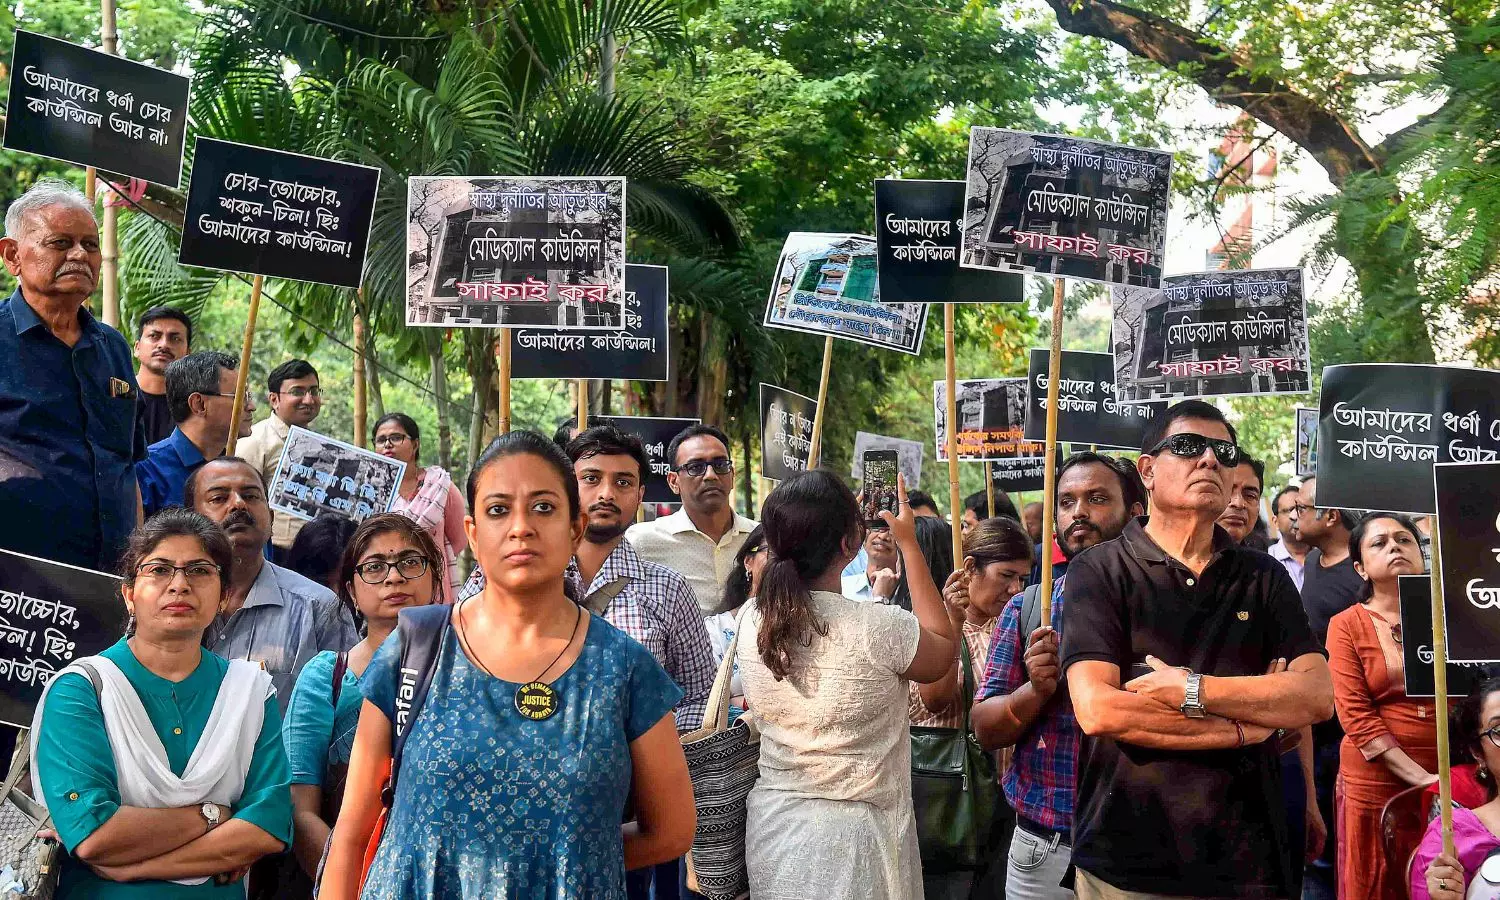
(163, 334)
(271, 615)
(69, 440)
(296, 399)
(1022, 703)
(700, 540)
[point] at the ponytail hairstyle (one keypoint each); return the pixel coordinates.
(935, 537)
(809, 520)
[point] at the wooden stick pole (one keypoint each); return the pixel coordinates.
(109, 224)
(242, 377)
(504, 380)
(583, 403)
(989, 487)
(1440, 698)
(1049, 478)
(361, 402)
(951, 417)
(815, 450)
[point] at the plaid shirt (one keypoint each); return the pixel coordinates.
(1040, 781)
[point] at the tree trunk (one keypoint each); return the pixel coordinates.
(479, 352)
(434, 341)
(372, 377)
(746, 478)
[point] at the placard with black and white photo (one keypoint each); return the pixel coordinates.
(826, 284)
(917, 229)
(1213, 334)
(1089, 412)
(637, 352)
(991, 416)
(1468, 534)
(656, 434)
(786, 424)
(908, 456)
(1416, 644)
(282, 215)
(318, 473)
(540, 252)
(1307, 441)
(1063, 206)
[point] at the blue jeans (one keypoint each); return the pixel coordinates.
(662, 881)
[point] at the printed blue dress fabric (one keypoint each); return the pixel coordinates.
(491, 805)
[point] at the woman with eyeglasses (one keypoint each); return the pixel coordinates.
(391, 564)
(426, 495)
(1390, 741)
(161, 763)
(1473, 873)
(740, 587)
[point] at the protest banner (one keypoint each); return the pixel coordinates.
(636, 352)
(96, 109)
(1468, 533)
(1307, 441)
(656, 434)
(543, 252)
(1219, 334)
(1382, 426)
(826, 284)
(50, 615)
(908, 456)
(991, 414)
(321, 474)
(1088, 412)
(917, 228)
(1026, 473)
(786, 425)
(1064, 206)
(1416, 644)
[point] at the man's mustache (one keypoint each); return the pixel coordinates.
(239, 517)
(600, 507)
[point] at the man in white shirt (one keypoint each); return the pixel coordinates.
(1288, 551)
(877, 582)
(296, 399)
(701, 539)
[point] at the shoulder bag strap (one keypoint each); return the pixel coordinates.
(421, 630)
(716, 710)
(340, 666)
(599, 600)
(1031, 612)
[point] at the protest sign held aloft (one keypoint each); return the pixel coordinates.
(1468, 532)
(991, 419)
(656, 434)
(786, 423)
(277, 214)
(917, 229)
(1088, 412)
(826, 284)
(1416, 644)
(1307, 441)
(908, 456)
(1219, 334)
(533, 251)
(637, 352)
(1027, 473)
(318, 474)
(50, 615)
(1382, 426)
(96, 109)
(1065, 206)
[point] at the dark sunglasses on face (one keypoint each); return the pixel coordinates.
(1191, 446)
(698, 467)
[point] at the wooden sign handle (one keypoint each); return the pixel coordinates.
(1440, 698)
(951, 417)
(504, 379)
(242, 377)
(815, 447)
(1049, 476)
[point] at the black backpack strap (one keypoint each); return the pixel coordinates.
(1031, 612)
(340, 666)
(420, 631)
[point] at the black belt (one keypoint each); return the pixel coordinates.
(1062, 835)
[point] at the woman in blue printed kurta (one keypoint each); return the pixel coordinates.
(493, 804)
(175, 570)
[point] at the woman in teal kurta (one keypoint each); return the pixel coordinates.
(176, 567)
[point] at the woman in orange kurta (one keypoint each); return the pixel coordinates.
(1390, 742)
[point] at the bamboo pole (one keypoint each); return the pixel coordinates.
(504, 380)
(360, 400)
(951, 414)
(242, 377)
(989, 487)
(109, 230)
(582, 387)
(1440, 698)
(815, 449)
(1049, 477)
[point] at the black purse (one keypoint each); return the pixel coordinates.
(953, 789)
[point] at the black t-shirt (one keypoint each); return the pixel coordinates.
(155, 417)
(1182, 823)
(1328, 592)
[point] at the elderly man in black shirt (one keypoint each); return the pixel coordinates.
(1186, 657)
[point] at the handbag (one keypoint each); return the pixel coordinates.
(724, 763)
(953, 789)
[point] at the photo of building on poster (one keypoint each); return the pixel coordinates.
(1065, 206)
(991, 419)
(539, 252)
(826, 284)
(320, 474)
(1212, 334)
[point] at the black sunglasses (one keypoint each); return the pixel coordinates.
(698, 467)
(1191, 446)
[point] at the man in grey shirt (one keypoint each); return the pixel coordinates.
(269, 614)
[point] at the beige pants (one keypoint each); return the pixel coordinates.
(1087, 887)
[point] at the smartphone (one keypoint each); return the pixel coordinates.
(879, 486)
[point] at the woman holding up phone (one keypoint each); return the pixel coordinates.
(827, 679)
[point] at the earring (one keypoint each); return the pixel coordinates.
(1482, 773)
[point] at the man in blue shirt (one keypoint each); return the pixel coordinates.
(200, 392)
(69, 440)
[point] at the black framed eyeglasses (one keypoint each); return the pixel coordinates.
(376, 570)
(1191, 446)
(698, 467)
(1493, 734)
(163, 573)
(392, 440)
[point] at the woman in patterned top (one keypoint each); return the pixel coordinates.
(427, 494)
(539, 721)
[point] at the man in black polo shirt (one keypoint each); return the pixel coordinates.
(1184, 656)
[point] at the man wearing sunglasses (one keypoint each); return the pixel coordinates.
(700, 540)
(1185, 655)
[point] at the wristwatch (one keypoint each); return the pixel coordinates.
(210, 813)
(1192, 703)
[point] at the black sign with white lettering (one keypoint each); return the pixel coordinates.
(96, 109)
(1088, 410)
(786, 423)
(282, 215)
(917, 227)
(1416, 644)
(1468, 532)
(637, 352)
(656, 434)
(1028, 473)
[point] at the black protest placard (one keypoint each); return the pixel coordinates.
(1219, 334)
(991, 419)
(1065, 206)
(1088, 410)
(1416, 645)
(96, 109)
(827, 284)
(282, 215)
(50, 615)
(1027, 473)
(320, 474)
(1307, 441)
(656, 434)
(917, 228)
(543, 252)
(1382, 426)
(1468, 534)
(908, 456)
(786, 424)
(637, 352)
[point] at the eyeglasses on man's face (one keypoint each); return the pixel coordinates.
(698, 467)
(376, 570)
(302, 393)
